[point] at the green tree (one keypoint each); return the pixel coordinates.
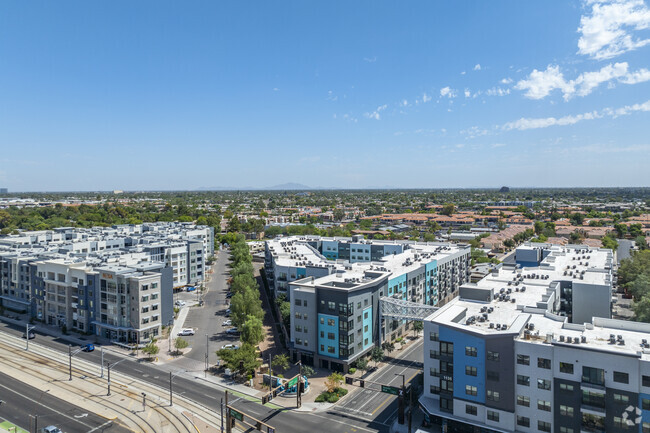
(635, 230)
(333, 382)
(539, 227)
(151, 349)
(280, 362)
(308, 371)
(252, 332)
(448, 209)
(640, 286)
(377, 355)
(362, 364)
(388, 346)
(621, 230)
(338, 214)
(180, 344)
(417, 328)
(244, 360)
(641, 243)
(642, 310)
(609, 242)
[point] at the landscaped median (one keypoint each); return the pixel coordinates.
(6, 426)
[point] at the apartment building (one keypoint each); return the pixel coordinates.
(335, 285)
(115, 282)
(533, 348)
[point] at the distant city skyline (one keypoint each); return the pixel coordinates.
(154, 96)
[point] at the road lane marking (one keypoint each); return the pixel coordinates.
(100, 427)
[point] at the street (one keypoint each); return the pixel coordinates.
(22, 402)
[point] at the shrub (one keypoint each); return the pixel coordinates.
(352, 370)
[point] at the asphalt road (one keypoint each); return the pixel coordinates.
(623, 250)
(193, 386)
(209, 318)
(21, 402)
(367, 403)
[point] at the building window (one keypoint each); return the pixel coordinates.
(434, 336)
(446, 348)
(322, 321)
(523, 380)
(470, 371)
(645, 404)
(298, 341)
(493, 416)
(493, 395)
(493, 376)
(523, 421)
(592, 375)
(523, 400)
(298, 302)
(331, 349)
(330, 336)
(624, 399)
(593, 398)
(565, 429)
(471, 410)
(645, 427)
(523, 359)
(620, 423)
(470, 351)
(447, 385)
(621, 377)
(544, 426)
(471, 390)
(446, 404)
(298, 328)
(645, 381)
(565, 387)
(566, 410)
(322, 348)
(492, 356)
(365, 328)
(566, 367)
(544, 384)
(331, 322)
(544, 405)
(544, 363)
(331, 305)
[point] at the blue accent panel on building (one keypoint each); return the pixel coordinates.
(326, 328)
(645, 416)
(330, 249)
(431, 282)
(390, 249)
(393, 284)
(528, 264)
(461, 340)
(367, 321)
(301, 272)
(359, 253)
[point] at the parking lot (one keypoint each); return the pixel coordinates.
(208, 319)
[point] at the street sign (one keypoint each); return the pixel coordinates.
(390, 389)
(236, 415)
(292, 382)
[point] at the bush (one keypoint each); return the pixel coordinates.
(352, 370)
(331, 397)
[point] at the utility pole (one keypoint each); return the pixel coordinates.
(270, 374)
(101, 375)
(144, 401)
(170, 389)
(35, 423)
(228, 428)
(221, 407)
(410, 406)
(298, 396)
(207, 342)
(109, 379)
(69, 360)
(400, 400)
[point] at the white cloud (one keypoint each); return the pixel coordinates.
(375, 114)
(477, 67)
(275, 89)
(331, 96)
(426, 98)
(404, 103)
(370, 59)
(506, 80)
(497, 91)
(467, 93)
(544, 122)
(447, 92)
(463, 73)
(539, 84)
(474, 132)
(460, 145)
(495, 145)
(607, 31)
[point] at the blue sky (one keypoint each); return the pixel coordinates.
(155, 95)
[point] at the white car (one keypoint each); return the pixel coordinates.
(230, 346)
(186, 331)
(180, 303)
(227, 323)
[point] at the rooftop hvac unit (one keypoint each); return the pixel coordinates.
(562, 338)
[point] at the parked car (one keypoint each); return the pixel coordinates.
(227, 323)
(88, 347)
(31, 335)
(186, 331)
(229, 295)
(191, 289)
(51, 429)
(230, 346)
(180, 303)
(232, 331)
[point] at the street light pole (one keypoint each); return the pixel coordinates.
(102, 370)
(170, 389)
(69, 360)
(400, 401)
(109, 379)
(207, 342)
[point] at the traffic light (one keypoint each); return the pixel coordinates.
(275, 392)
(302, 387)
(349, 380)
(362, 383)
(265, 399)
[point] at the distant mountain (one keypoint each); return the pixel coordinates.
(288, 186)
